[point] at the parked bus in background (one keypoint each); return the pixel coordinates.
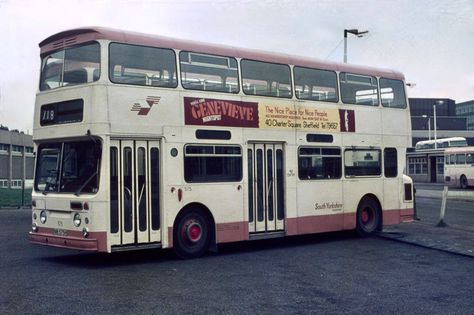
(145, 141)
(441, 143)
(459, 166)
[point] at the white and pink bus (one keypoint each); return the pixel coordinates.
(145, 141)
(459, 166)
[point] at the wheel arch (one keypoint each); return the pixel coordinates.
(379, 205)
(207, 213)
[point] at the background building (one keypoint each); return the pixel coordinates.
(466, 109)
(452, 120)
(448, 122)
(16, 159)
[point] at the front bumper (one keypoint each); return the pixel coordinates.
(95, 241)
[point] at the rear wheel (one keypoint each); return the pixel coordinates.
(368, 217)
(191, 234)
(463, 182)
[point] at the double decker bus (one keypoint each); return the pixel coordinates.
(441, 143)
(145, 141)
(459, 167)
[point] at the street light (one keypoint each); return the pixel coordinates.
(429, 125)
(439, 102)
(355, 32)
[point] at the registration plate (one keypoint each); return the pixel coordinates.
(59, 232)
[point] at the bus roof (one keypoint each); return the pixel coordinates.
(441, 140)
(459, 150)
(81, 35)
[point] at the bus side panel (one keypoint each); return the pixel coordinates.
(354, 190)
(320, 207)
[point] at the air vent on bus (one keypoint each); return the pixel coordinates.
(66, 42)
(70, 41)
(58, 44)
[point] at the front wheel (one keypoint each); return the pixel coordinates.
(191, 235)
(368, 217)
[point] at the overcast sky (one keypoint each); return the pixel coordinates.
(430, 41)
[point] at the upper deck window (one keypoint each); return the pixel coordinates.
(359, 89)
(266, 79)
(70, 66)
(141, 65)
(392, 93)
(315, 84)
(209, 72)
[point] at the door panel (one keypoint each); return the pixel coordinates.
(127, 189)
(154, 191)
(266, 187)
(141, 191)
(135, 190)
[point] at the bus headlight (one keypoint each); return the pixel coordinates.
(34, 228)
(43, 217)
(77, 220)
(85, 232)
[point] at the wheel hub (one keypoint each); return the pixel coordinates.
(365, 216)
(194, 232)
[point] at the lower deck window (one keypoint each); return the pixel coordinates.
(212, 163)
(362, 162)
(390, 162)
(319, 163)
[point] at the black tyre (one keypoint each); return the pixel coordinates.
(368, 217)
(463, 182)
(191, 235)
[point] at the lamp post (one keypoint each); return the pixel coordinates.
(429, 125)
(439, 102)
(355, 32)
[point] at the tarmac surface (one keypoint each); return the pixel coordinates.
(450, 238)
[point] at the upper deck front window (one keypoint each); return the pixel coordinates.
(70, 66)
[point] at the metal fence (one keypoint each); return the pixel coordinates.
(15, 197)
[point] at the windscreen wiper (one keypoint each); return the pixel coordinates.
(78, 192)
